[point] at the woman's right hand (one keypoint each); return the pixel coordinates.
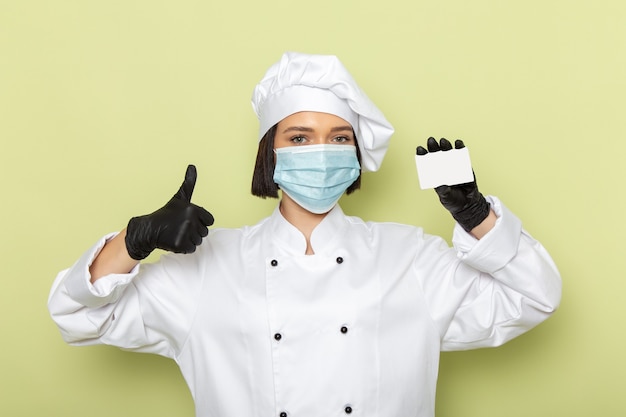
(179, 226)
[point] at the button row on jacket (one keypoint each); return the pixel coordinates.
(278, 336)
(274, 262)
(347, 410)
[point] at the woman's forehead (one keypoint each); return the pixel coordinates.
(314, 120)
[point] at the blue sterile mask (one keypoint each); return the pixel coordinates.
(316, 176)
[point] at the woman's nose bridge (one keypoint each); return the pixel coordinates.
(319, 138)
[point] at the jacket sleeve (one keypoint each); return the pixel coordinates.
(148, 310)
(500, 286)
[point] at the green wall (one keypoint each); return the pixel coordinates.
(104, 103)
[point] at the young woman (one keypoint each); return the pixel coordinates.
(310, 312)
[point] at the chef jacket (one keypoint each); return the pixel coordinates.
(260, 329)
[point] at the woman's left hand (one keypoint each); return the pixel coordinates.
(466, 204)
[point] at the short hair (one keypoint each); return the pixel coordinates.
(263, 184)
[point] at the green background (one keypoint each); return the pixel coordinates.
(103, 104)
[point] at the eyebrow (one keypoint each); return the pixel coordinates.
(308, 129)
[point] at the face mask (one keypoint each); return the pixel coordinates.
(316, 176)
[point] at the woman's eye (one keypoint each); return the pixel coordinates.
(298, 139)
(341, 139)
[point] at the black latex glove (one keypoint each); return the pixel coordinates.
(466, 204)
(179, 226)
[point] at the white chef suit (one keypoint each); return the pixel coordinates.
(260, 329)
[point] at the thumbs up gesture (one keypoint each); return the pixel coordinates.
(178, 226)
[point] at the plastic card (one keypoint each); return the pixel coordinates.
(444, 168)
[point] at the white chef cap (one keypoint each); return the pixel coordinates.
(302, 82)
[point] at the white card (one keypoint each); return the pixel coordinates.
(444, 168)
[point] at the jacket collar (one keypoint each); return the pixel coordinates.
(291, 240)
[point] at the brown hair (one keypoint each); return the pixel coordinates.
(263, 184)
